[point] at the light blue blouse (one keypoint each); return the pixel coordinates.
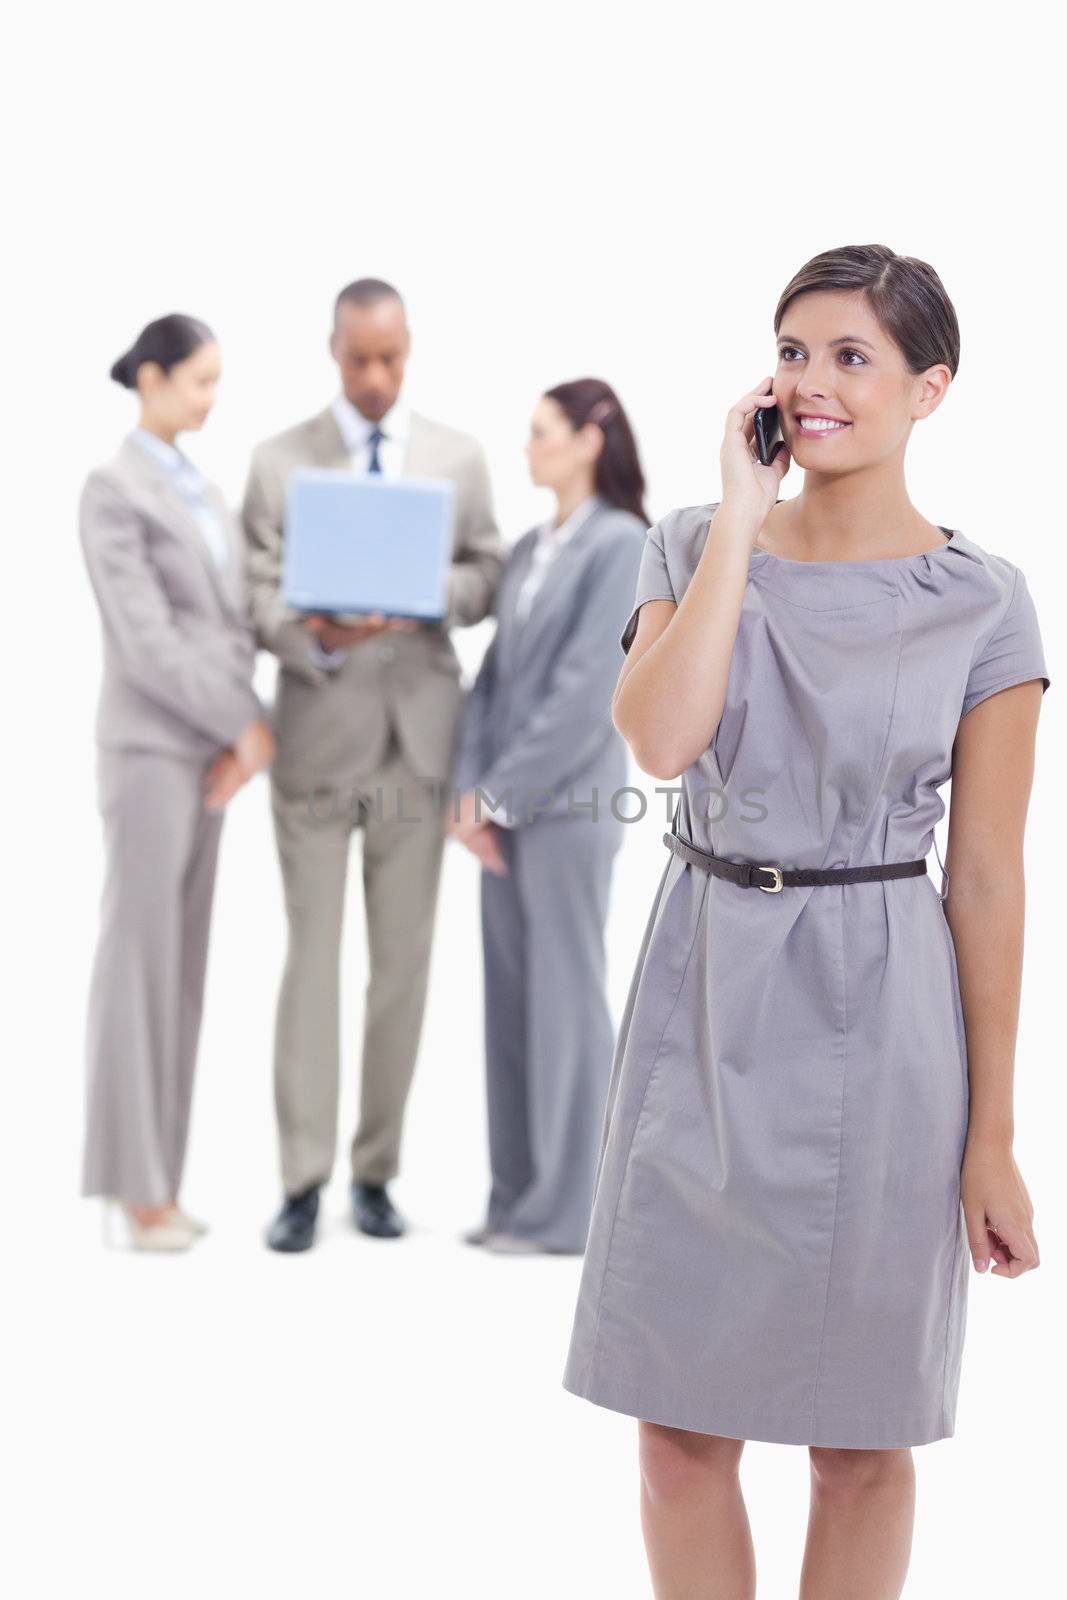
(191, 484)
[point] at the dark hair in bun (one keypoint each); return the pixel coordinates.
(168, 340)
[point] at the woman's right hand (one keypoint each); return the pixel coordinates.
(232, 769)
(747, 485)
(224, 779)
(254, 749)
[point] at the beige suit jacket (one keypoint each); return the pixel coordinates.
(178, 651)
(332, 727)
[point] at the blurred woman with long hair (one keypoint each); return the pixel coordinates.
(537, 738)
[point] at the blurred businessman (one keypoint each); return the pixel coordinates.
(360, 708)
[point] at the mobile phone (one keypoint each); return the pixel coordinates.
(768, 428)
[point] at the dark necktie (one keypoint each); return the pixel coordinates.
(375, 439)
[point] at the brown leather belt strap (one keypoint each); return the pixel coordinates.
(753, 875)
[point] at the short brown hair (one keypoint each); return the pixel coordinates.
(905, 294)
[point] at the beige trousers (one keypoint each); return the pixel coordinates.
(401, 872)
(147, 988)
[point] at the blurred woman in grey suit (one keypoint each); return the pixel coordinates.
(537, 737)
(179, 730)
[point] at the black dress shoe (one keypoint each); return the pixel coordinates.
(374, 1212)
(294, 1226)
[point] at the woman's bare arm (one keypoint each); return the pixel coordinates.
(672, 687)
(992, 776)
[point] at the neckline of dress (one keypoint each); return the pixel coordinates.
(952, 537)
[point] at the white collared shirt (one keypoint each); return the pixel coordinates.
(356, 430)
(550, 541)
(191, 485)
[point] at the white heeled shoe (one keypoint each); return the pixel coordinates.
(192, 1224)
(130, 1234)
(512, 1244)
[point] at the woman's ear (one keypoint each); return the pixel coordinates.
(149, 377)
(592, 438)
(933, 387)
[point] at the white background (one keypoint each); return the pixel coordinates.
(558, 191)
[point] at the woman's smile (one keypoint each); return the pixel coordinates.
(816, 427)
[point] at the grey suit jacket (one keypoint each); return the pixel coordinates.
(538, 715)
(178, 651)
(332, 727)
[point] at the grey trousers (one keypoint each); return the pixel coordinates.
(147, 986)
(401, 873)
(549, 1037)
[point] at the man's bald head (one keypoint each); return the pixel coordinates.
(370, 343)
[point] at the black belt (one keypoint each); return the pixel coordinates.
(744, 873)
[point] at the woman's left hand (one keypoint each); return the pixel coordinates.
(485, 845)
(469, 818)
(997, 1210)
(224, 777)
(478, 833)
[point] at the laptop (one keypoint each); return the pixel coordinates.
(361, 543)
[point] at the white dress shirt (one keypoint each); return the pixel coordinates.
(191, 484)
(356, 430)
(550, 542)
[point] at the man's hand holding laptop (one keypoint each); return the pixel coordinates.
(343, 635)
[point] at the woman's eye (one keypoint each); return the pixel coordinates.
(788, 350)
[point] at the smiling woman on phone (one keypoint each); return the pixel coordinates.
(809, 1129)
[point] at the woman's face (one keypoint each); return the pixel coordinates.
(836, 363)
(556, 452)
(182, 398)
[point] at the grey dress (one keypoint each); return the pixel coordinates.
(777, 1249)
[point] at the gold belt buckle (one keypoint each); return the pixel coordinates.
(776, 886)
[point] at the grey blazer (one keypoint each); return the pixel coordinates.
(538, 715)
(178, 651)
(332, 725)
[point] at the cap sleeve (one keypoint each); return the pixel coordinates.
(1013, 652)
(653, 581)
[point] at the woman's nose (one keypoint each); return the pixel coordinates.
(814, 385)
(812, 392)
